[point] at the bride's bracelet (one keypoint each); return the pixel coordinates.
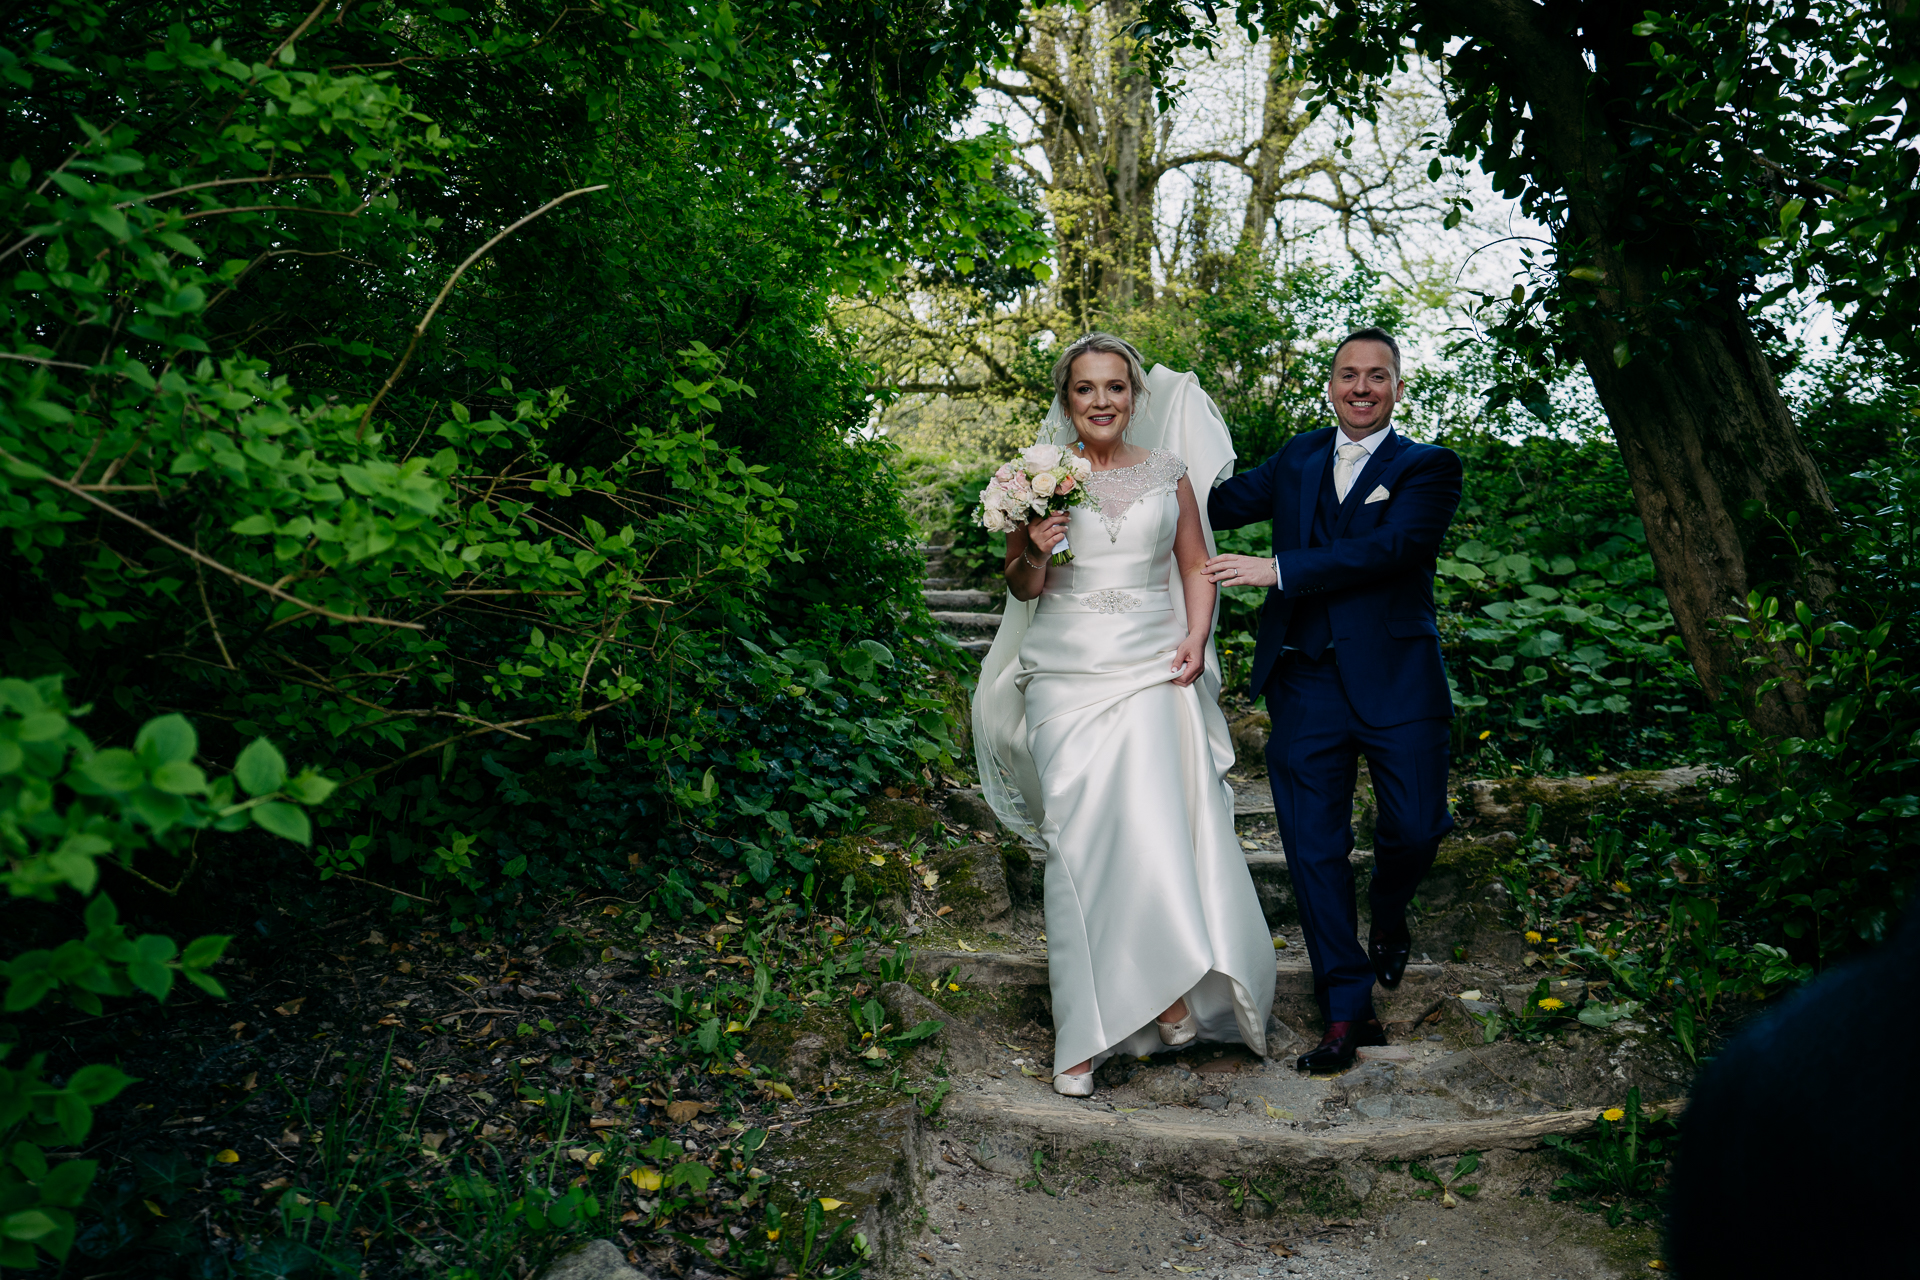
(1030, 564)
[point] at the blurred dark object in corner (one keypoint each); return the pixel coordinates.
(1800, 1151)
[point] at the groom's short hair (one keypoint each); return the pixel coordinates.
(1372, 333)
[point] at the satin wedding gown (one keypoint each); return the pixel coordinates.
(1148, 898)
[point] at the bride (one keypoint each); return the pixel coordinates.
(1099, 734)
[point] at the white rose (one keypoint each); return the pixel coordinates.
(1044, 482)
(1080, 467)
(1041, 457)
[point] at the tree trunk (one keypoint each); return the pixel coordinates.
(1280, 126)
(1716, 463)
(1706, 438)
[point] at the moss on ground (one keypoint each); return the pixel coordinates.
(854, 856)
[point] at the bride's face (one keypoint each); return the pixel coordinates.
(1100, 397)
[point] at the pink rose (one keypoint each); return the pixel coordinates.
(1065, 485)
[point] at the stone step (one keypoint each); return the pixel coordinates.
(941, 584)
(976, 647)
(1178, 1139)
(942, 599)
(954, 621)
(1419, 994)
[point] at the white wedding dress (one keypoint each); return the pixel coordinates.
(1088, 748)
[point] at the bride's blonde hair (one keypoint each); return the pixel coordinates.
(1107, 344)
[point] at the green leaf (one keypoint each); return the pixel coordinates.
(115, 769)
(29, 1224)
(154, 979)
(41, 726)
(309, 787)
(30, 1160)
(261, 770)
(284, 820)
(67, 1184)
(167, 739)
(180, 778)
(99, 1083)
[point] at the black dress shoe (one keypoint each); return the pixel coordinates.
(1389, 950)
(1336, 1049)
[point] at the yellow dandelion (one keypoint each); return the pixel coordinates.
(1533, 935)
(1553, 939)
(953, 986)
(1623, 886)
(1485, 734)
(1613, 1115)
(1553, 1002)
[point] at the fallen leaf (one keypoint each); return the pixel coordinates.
(610, 910)
(593, 1161)
(681, 1112)
(229, 1156)
(773, 1086)
(1185, 1270)
(578, 1153)
(237, 1028)
(962, 944)
(155, 1209)
(1281, 1249)
(290, 1008)
(605, 1124)
(645, 1179)
(629, 1216)
(406, 966)
(830, 1204)
(391, 1021)
(281, 1181)
(404, 1064)
(942, 911)
(736, 1026)
(288, 1138)
(1657, 1265)
(252, 1081)
(1037, 1075)
(877, 859)
(930, 879)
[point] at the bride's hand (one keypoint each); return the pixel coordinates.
(1047, 534)
(1189, 660)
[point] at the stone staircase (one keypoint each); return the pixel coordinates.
(967, 617)
(1213, 1163)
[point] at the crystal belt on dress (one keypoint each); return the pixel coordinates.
(1108, 600)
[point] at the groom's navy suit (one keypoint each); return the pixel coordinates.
(1349, 660)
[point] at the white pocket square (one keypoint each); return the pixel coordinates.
(1379, 494)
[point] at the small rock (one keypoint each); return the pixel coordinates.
(1169, 1085)
(1213, 1102)
(1002, 1154)
(1385, 1053)
(966, 1049)
(595, 1260)
(973, 881)
(970, 809)
(1249, 734)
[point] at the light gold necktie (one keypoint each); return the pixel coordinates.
(1347, 468)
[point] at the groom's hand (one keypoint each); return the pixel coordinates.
(1240, 571)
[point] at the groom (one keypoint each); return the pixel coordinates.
(1349, 661)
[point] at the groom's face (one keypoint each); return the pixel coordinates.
(1365, 386)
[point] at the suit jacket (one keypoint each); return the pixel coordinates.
(1377, 573)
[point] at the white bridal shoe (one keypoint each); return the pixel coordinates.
(1175, 1034)
(1069, 1086)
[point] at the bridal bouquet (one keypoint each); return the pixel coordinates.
(1043, 480)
